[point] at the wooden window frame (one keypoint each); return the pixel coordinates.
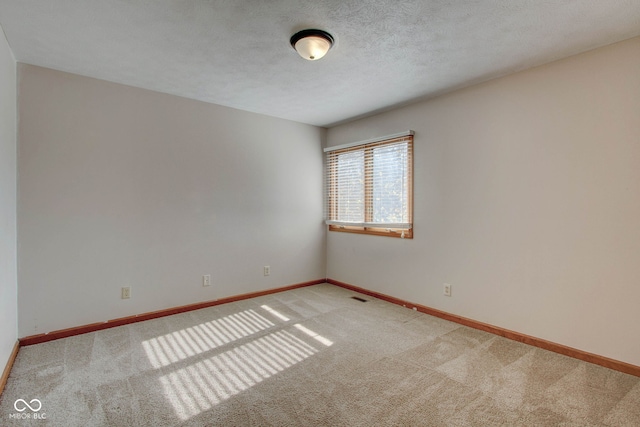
(368, 190)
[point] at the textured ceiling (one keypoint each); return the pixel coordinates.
(237, 53)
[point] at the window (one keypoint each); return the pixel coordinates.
(369, 187)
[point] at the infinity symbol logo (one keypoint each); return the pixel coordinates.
(26, 405)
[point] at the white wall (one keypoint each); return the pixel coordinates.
(8, 283)
(121, 186)
(527, 201)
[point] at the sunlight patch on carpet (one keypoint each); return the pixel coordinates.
(188, 342)
(205, 383)
(314, 335)
(275, 313)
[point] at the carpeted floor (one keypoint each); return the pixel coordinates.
(311, 356)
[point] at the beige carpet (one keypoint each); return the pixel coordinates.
(311, 356)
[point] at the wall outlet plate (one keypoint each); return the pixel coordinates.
(267, 270)
(206, 280)
(447, 290)
(126, 292)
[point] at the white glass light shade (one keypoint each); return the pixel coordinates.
(312, 44)
(312, 47)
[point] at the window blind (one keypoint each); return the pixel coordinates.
(369, 184)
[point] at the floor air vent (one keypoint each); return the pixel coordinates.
(359, 299)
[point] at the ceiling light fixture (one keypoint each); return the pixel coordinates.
(312, 44)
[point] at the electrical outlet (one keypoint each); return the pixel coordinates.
(206, 280)
(447, 290)
(126, 292)
(267, 270)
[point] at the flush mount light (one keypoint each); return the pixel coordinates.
(312, 44)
